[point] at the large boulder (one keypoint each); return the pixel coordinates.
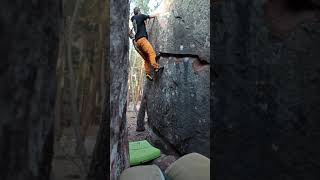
(119, 59)
(29, 50)
(113, 135)
(190, 167)
(266, 90)
(182, 28)
(178, 101)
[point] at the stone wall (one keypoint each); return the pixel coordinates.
(29, 49)
(178, 102)
(119, 58)
(266, 89)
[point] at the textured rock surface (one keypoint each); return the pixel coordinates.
(164, 161)
(178, 102)
(178, 105)
(182, 28)
(160, 143)
(266, 91)
(119, 48)
(29, 43)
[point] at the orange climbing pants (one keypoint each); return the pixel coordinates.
(149, 54)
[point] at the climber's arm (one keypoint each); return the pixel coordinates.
(131, 33)
(134, 25)
(150, 16)
(154, 15)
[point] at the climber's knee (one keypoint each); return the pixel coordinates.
(155, 65)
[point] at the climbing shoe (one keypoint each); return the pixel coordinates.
(157, 57)
(149, 77)
(158, 69)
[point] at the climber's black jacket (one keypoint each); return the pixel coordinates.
(141, 27)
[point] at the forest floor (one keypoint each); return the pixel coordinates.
(133, 135)
(66, 165)
(164, 161)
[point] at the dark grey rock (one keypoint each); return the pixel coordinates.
(160, 143)
(178, 100)
(316, 2)
(164, 161)
(182, 28)
(113, 135)
(178, 104)
(266, 91)
(119, 58)
(29, 48)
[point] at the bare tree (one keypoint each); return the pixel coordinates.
(142, 109)
(80, 148)
(60, 84)
(100, 161)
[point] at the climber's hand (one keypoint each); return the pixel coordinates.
(131, 34)
(154, 15)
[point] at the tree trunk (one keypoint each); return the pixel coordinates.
(80, 148)
(59, 97)
(133, 90)
(89, 111)
(100, 164)
(142, 109)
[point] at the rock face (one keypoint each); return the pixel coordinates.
(119, 58)
(29, 49)
(164, 161)
(178, 101)
(266, 90)
(182, 28)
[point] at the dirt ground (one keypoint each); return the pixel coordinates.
(164, 161)
(133, 135)
(66, 165)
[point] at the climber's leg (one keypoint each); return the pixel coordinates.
(151, 55)
(144, 52)
(145, 46)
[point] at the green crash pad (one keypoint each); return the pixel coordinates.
(141, 152)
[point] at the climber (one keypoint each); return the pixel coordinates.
(141, 42)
